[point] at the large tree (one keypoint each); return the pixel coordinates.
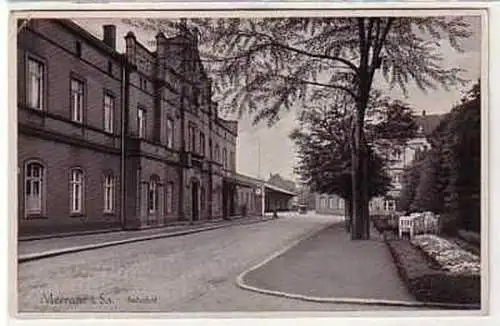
(263, 66)
(323, 146)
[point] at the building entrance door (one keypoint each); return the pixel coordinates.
(195, 189)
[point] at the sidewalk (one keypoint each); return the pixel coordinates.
(36, 249)
(330, 266)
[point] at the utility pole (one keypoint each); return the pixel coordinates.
(258, 167)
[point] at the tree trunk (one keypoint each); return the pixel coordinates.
(360, 157)
(348, 214)
(365, 193)
(357, 183)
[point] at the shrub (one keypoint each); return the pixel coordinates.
(427, 282)
(385, 222)
(449, 256)
(470, 236)
(448, 224)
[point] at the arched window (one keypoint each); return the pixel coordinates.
(217, 153)
(34, 188)
(109, 193)
(323, 203)
(153, 194)
(332, 202)
(76, 190)
(224, 157)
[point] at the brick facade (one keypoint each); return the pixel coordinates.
(176, 158)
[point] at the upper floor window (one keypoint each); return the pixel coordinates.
(170, 133)
(192, 138)
(76, 191)
(110, 67)
(202, 143)
(77, 94)
(35, 84)
(217, 152)
(224, 157)
(34, 188)
(389, 205)
(196, 97)
(233, 160)
(78, 48)
(109, 107)
(109, 191)
(141, 122)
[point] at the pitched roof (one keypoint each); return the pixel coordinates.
(428, 122)
(254, 182)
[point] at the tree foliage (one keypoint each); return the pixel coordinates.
(323, 146)
(447, 179)
(262, 66)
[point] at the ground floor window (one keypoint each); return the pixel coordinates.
(169, 195)
(323, 203)
(34, 184)
(109, 190)
(153, 195)
(332, 203)
(76, 194)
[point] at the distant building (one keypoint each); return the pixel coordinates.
(426, 125)
(329, 204)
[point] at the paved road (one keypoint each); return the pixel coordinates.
(192, 273)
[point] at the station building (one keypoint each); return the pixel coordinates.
(110, 140)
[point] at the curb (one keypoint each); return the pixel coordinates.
(240, 282)
(58, 252)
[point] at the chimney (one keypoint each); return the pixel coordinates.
(423, 113)
(110, 35)
(161, 55)
(130, 42)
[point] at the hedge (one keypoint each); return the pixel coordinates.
(427, 282)
(385, 224)
(470, 236)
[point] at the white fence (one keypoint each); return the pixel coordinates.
(418, 223)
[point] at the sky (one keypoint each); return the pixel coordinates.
(273, 146)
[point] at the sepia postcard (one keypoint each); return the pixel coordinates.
(249, 163)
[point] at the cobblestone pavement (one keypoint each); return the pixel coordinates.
(191, 273)
(43, 245)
